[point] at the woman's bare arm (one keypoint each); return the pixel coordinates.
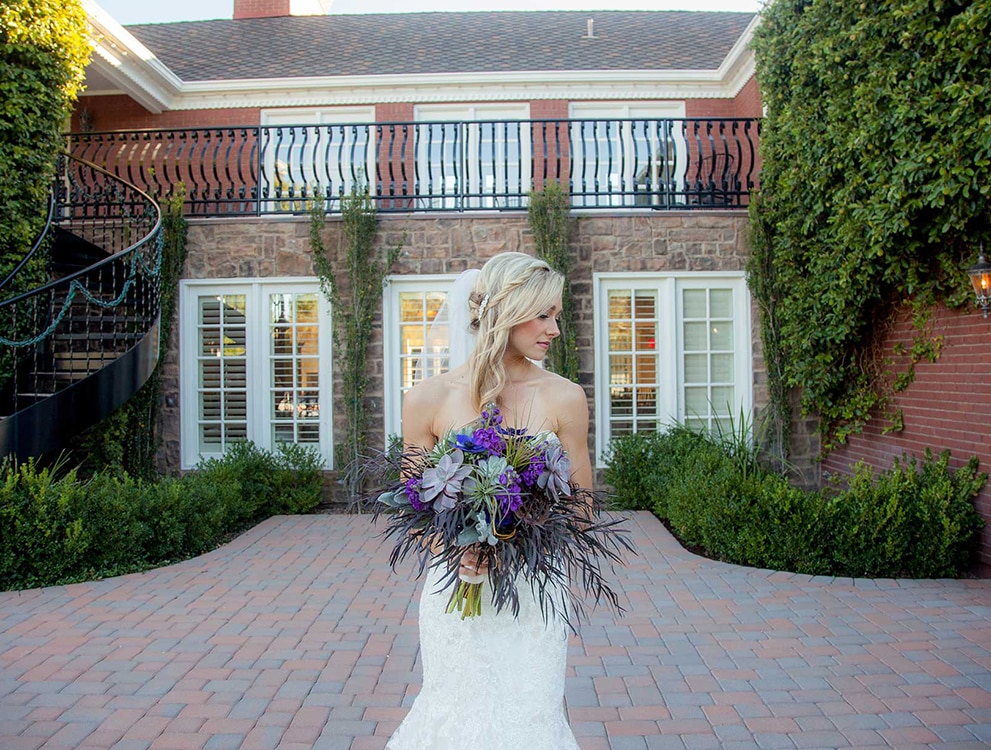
(572, 420)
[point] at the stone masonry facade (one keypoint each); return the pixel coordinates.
(441, 244)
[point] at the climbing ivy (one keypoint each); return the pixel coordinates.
(43, 53)
(548, 215)
(354, 301)
(876, 183)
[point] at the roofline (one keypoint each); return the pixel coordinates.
(126, 62)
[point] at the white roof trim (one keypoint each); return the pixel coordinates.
(138, 73)
(127, 63)
(739, 64)
(446, 87)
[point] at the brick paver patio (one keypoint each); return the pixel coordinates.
(296, 635)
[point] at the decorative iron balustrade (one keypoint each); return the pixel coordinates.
(77, 347)
(689, 163)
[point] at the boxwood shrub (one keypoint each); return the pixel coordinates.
(916, 520)
(57, 528)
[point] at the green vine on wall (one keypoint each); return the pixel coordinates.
(127, 441)
(548, 215)
(876, 185)
(354, 300)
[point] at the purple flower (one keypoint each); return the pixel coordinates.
(412, 488)
(531, 473)
(490, 440)
(556, 477)
(512, 498)
(441, 485)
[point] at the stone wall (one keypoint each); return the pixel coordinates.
(437, 244)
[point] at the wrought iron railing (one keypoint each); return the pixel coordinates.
(98, 316)
(688, 163)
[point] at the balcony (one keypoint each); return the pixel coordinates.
(459, 166)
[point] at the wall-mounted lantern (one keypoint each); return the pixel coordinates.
(980, 277)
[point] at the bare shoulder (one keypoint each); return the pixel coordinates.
(566, 400)
(432, 406)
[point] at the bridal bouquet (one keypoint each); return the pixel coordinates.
(506, 494)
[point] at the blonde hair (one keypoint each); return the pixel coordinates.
(512, 288)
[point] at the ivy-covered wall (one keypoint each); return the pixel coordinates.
(876, 185)
(43, 52)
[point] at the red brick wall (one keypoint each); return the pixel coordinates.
(260, 8)
(745, 104)
(947, 406)
(121, 112)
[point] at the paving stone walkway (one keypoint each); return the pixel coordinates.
(296, 635)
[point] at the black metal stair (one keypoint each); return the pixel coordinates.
(80, 346)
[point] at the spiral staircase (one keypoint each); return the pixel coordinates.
(74, 349)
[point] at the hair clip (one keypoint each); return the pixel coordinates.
(481, 307)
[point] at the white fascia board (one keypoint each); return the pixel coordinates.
(448, 87)
(124, 61)
(739, 65)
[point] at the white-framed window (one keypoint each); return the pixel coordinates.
(311, 151)
(256, 362)
(410, 304)
(626, 155)
(670, 348)
(473, 156)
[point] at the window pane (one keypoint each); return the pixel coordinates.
(646, 304)
(646, 336)
(646, 403)
(721, 303)
(694, 301)
(619, 303)
(722, 399)
(307, 340)
(722, 336)
(621, 370)
(697, 402)
(620, 336)
(722, 368)
(646, 369)
(621, 427)
(696, 337)
(307, 308)
(696, 368)
(621, 401)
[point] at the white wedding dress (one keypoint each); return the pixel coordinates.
(492, 682)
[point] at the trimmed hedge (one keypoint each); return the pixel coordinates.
(57, 529)
(915, 520)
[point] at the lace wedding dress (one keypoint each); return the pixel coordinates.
(492, 682)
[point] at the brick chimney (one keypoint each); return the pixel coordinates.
(275, 8)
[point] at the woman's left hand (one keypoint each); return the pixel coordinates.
(473, 564)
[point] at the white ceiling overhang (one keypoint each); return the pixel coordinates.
(123, 65)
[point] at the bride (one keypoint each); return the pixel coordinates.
(496, 682)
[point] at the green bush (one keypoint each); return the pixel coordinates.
(43, 53)
(55, 528)
(915, 520)
(640, 466)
